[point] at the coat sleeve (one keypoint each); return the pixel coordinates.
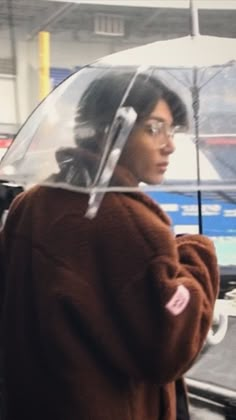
(162, 290)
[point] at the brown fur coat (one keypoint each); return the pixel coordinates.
(102, 317)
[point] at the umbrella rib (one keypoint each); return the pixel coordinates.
(225, 163)
(176, 78)
(216, 74)
(226, 197)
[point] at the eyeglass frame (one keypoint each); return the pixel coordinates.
(162, 127)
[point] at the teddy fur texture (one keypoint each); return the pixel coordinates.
(87, 332)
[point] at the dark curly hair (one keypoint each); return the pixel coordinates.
(100, 101)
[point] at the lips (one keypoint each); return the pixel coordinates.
(163, 165)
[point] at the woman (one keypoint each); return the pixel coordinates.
(150, 98)
(103, 316)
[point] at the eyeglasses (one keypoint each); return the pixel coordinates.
(160, 131)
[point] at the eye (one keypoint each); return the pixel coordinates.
(152, 129)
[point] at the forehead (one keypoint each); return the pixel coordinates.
(162, 112)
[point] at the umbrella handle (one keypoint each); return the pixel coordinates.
(215, 337)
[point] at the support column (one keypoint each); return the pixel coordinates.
(44, 64)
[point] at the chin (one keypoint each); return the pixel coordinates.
(154, 180)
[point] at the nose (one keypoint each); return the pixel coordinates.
(169, 147)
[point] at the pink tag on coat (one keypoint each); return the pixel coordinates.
(179, 301)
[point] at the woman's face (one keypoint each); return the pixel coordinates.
(150, 145)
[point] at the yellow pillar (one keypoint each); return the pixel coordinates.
(44, 64)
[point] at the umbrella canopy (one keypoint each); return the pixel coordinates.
(76, 137)
(186, 52)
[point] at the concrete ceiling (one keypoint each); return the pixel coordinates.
(140, 22)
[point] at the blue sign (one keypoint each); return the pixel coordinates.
(218, 219)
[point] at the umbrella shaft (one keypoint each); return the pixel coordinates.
(194, 19)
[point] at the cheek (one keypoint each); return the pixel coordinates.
(147, 153)
(131, 151)
(139, 155)
(145, 160)
(140, 146)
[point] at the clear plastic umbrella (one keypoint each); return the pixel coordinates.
(200, 70)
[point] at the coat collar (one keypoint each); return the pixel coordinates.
(82, 164)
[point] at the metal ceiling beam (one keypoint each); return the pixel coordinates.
(51, 19)
(174, 4)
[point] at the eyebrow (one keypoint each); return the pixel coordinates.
(159, 119)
